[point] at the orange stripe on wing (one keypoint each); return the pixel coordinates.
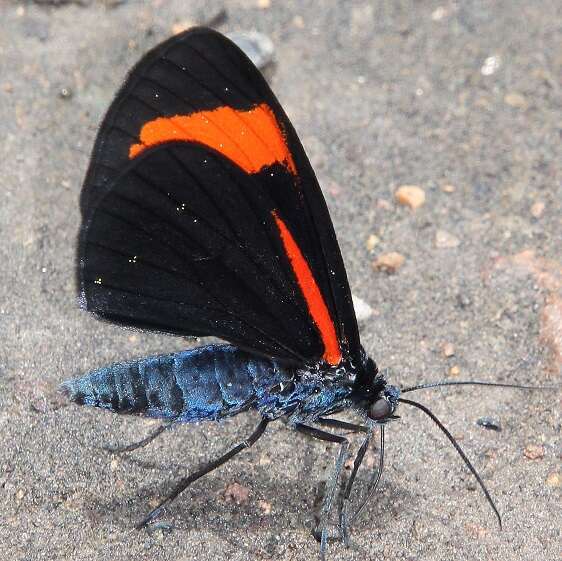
(251, 139)
(312, 295)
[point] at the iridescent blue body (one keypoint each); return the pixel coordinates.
(210, 383)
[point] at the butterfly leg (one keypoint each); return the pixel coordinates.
(343, 525)
(343, 518)
(332, 483)
(337, 424)
(140, 443)
(187, 481)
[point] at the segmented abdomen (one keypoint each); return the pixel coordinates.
(204, 383)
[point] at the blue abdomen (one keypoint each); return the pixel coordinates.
(204, 383)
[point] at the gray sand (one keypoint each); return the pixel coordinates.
(383, 94)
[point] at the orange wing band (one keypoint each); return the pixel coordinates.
(312, 295)
(251, 139)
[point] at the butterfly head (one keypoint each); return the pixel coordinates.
(384, 404)
(374, 395)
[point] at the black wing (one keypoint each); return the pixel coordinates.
(202, 215)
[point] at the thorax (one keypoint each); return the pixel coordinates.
(304, 395)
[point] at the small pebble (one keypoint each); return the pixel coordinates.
(133, 338)
(491, 454)
(463, 300)
(454, 371)
(534, 452)
(476, 531)
(439, 13)
(265, 507)
(490, 423)
(491, 65)
(20, 494)
(236, 493)
(181, 26)
(448, 189)
(448, 350)
(514, 99)
(362, 310)
(257, 46)
(389, 262)
(372, 242)
(554, 479)
(298, 21)
(410, 195)
(263, 4)
(383, 204)
(537, 209)
(65, 92)
(264, 460)
(39, 404)
(445, 240)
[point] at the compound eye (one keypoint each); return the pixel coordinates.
(380, 409)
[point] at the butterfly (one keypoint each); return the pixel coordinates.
(201, 215)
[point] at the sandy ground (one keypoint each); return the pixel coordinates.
(462, 99)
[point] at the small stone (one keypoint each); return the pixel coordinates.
(448, 350)
(298, 22)
(491, 65)
(65, 92)
(476, 531)
(372, 242)
(133, 338)
(489, 423)
(454, 371)
(383, 204)
(236, 493)
(334, 189)
(537, 209)
(114, 464)
(39, 404)
(514, 99)
(20, 494)
(264, 460)
(554, 479)
(491, 454)
(153, 503)
(446, 240)
(362, 310)
(464, 300)
(263, 4)
(257, 46)
(181, 26)
(7, 87)
(265, 507)
(439, 13)
(389, 262)
(410, 195)
(534, 452)
(448, 188)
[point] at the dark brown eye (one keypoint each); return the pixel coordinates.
(380, 409)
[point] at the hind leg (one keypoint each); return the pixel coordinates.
(187, 481)
(140, 444)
